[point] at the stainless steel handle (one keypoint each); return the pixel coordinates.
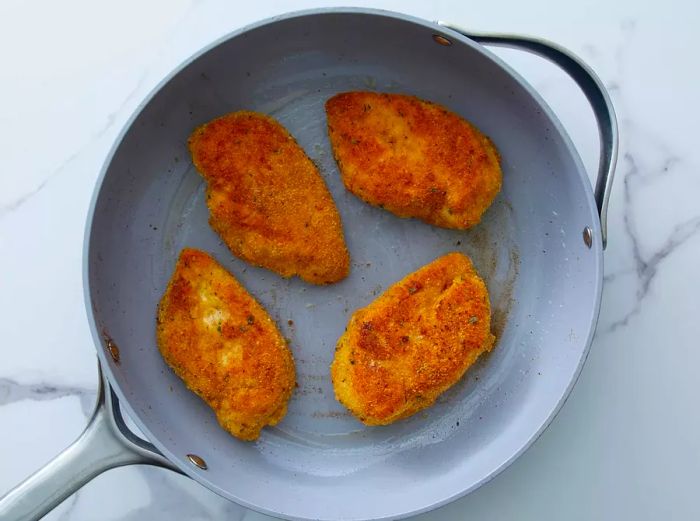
(104, 444)
(594, 91)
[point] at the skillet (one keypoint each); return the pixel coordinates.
(539, 248)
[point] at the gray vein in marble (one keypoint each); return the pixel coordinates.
(70, 503)
(13, 205)
(610, 277)
(111, 118)
(612, 86)
(627, 27)
(12, 391)
(646, 268)
(590, 50)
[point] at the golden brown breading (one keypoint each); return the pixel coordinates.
(267, 199)
(411, 344)
(413, 158)
(224, 346)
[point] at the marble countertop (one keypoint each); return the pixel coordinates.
(627, 443)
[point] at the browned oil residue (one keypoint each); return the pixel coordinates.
(314, 377)
(501, 308)
(484, 243)
(330, 414)
(308, 389)
(483, 252)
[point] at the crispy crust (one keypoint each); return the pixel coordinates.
(415, 341)
(224, 346)
(413, 158)
(267, 199)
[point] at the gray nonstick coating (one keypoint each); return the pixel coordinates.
(545, 283)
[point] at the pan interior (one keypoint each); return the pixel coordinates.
(543, 281)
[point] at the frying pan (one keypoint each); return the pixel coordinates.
(539, 248)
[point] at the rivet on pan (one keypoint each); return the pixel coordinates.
(113, 350)
(197, 461)
(442, 40)
(588, 236)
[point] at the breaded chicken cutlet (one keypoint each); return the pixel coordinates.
(413, 157)
(224, 346)
(267, 199)
(415, 341)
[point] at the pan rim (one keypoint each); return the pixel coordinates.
(107, 364)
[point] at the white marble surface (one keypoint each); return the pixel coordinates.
(626, 444)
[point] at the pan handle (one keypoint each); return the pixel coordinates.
(104, 444)
(594, 91)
